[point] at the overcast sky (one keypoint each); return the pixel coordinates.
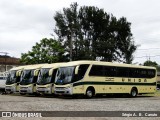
(25, 22)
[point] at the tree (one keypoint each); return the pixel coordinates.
(47, 51)
(90, 33)
(151, 63)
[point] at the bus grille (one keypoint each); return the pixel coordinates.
(8, 90)
(60, 91)
(23, 90)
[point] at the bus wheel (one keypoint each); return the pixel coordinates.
(133, 92)
(90, 92)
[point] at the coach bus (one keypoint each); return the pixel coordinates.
(91, 78)
(3, 76)
(29, 78)
(46, 78)
(13, 79)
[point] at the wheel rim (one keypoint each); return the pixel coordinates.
(134, 93)
(89, 93)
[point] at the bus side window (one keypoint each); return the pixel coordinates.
(81, 72)
(96, 70)
(35, 77)
(18, 78)
(143, 73)
(151, 73)
(109, 71)
(122, 72)
(53, 75)
(131, 73)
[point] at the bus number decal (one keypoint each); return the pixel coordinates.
(145, 80)
(129, 80)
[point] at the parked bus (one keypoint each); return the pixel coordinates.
(46, 78)
(29, 78)
(94, 77)
(13, 79)
(3, 76)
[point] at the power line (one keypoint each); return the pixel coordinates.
(147, 56)
(149, 49)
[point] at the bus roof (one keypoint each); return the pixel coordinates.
(53, 65)
(74, 63)
(35, 66)
(18, 68)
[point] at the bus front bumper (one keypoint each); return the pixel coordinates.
(26, 90)
(10, 89)
(44, 90)
(63, 91)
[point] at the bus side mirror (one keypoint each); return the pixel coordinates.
(17, 73)
(50, 72)
(76, 70)
(36, 72)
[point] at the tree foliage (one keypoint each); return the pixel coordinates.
(90, 33)
(151, 63)
(94, 34)
(47, 51)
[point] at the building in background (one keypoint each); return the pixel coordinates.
(7, 62)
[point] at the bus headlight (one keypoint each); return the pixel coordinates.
(68, 87)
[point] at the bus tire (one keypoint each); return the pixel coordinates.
(90, 92)
(133, 92)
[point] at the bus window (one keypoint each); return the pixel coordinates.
(53, 75)
(82, 70)
(143, 73)
(96, 70)
(109, 71)
(122, 72)
(151, 73)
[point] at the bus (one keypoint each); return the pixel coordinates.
(46, 78)
(91, 78)
(3, 76)
(29, 78)
(13, 79)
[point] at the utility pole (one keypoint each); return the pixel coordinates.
(149, 58)
(5, 63)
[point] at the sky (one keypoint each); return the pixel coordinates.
(25, 22)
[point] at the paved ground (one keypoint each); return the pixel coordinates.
(32, 103)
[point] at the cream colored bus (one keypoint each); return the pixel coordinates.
(94, 77)
(29, 79)
(13, 79)
(46, 78)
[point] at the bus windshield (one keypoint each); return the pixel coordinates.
(43, 77)
(11, 77)
(27, 77)
(64, 75)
